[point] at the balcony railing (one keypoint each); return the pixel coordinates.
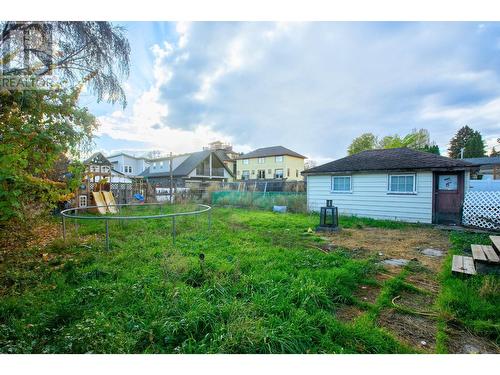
(216, 172)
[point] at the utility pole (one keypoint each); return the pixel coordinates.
(171, 162)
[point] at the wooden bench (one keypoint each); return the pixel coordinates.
(484, 253)
(463, 265)
(496, 242)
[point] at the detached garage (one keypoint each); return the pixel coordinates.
(394, 184)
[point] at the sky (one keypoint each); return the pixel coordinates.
(311, 87)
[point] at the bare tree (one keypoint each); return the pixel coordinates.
(97, 53)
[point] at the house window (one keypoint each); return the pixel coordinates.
(105, 169)
(154, 165)
(261, 160)
(278, 173)
(278, 159)
(296, 173)
(245, 175)
(82, 201)
(341, 184)
(402, 183)
(269, 172)
(161, 164)
(94, 168)
(253, 172)
(245, 161)
(127, 168)
(288, 172)
(261, 173)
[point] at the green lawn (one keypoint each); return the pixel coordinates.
(263, 287)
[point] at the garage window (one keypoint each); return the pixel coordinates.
(402, 184)
(341, 184)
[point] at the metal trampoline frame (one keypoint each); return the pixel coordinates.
(70, 213)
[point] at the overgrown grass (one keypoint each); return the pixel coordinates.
(261, 288)
(471, 302)
(255, 283)
(295, 202)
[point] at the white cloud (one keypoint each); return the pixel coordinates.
(313, 87)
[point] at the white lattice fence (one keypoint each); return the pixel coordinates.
(482, 209)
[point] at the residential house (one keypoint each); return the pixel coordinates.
(187, 169)
(226, 154)
(395, 184)
(489, 167)
(128, 164)
(270, 163)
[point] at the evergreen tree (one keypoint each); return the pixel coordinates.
(494, 152)
(474, 148)
(468, 139)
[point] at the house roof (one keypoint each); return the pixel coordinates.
(271, 151)
(97, 158)
(128, 155)
(185, 167)
(391, 159)
(484, 161)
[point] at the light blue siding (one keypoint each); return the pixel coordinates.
(369, 197)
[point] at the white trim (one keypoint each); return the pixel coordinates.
(341, 191)
(82, 202)
(390, 175)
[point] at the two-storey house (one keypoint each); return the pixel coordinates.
(270, 163)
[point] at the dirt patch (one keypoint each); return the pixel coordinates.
(425, 281)
(463, 342)
(418, 302)
(393, 243)
(347, 313)
(416, 331)
(367, 293)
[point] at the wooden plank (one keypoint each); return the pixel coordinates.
(478, 253)
(463, 265)
(496, 242)
(491, 254)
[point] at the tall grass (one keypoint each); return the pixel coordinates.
(259, 288)
(295, 202)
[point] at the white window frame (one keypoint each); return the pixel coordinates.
(261, 160)
(389, 184)
(261, 176)
(82, 202)
(341, 191)
(244, 161)
(245, 176)
(127, 169)
(105, 169)
(278, 159)
(282, 173)
(94, 168)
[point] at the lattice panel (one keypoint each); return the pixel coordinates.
(482, 209)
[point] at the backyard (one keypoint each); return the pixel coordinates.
(255, 282)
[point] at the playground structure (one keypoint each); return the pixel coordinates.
(82, 213)
(100, 177)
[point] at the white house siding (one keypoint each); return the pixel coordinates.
(369, 197)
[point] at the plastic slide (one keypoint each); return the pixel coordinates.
(110, 201)
(100, 202)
